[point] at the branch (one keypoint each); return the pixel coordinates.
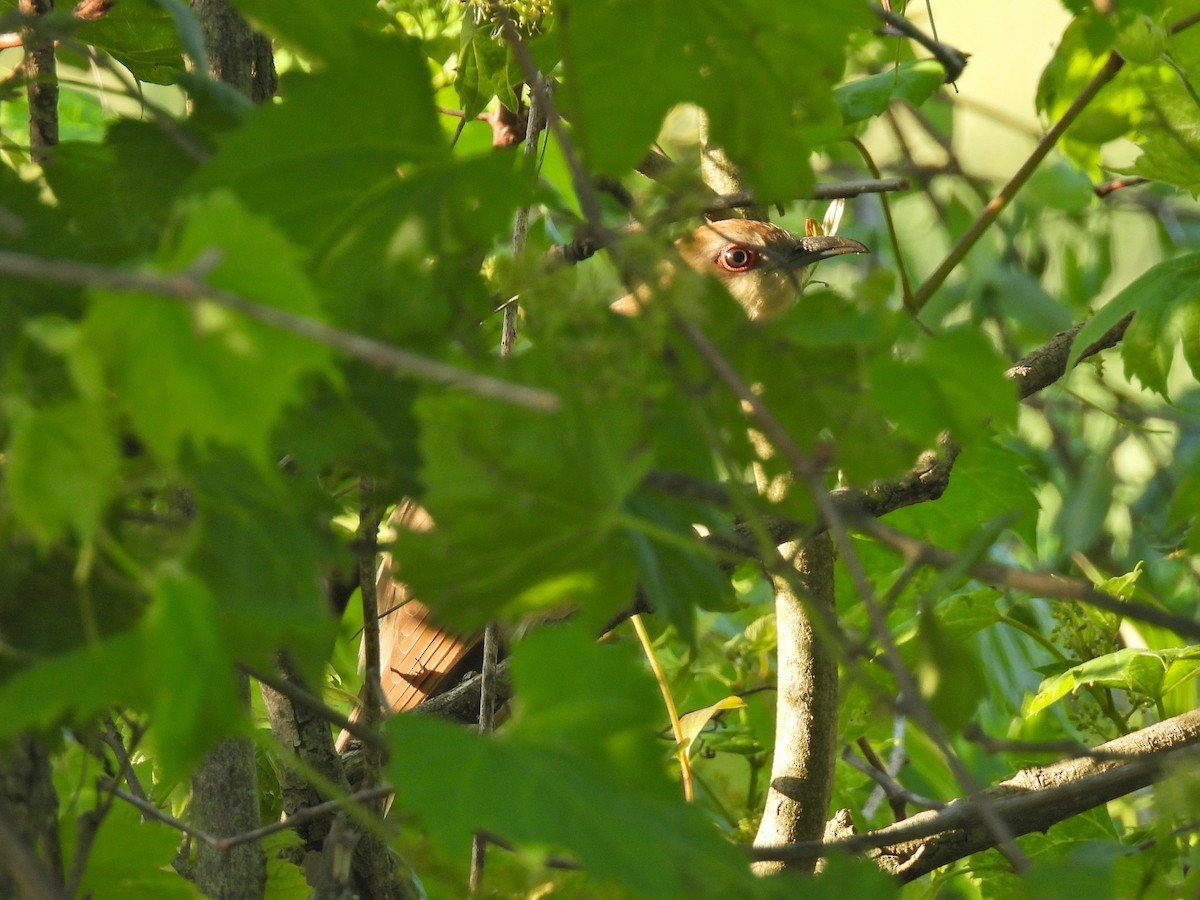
(831, 191)
(186, 286)
(1032, 800)
(1035, 583)
(1042, 367)
(950, 59)
(997, 204)
(301, 697)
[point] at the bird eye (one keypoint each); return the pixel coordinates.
(737, 259)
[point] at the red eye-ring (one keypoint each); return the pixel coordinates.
(737, 258)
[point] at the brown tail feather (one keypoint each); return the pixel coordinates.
(415, 654)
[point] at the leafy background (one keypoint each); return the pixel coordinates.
(151, 537)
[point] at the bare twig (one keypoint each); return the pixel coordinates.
(1029, 582)
(830, 191)
(993, 209)
(896, 792)
(186, 286)
(225, 843)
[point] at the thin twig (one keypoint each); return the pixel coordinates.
(226, 843)
(895, 791)
(998, 203)
(186, 286)
(1034, 583)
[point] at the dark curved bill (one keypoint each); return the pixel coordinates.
(818, 247)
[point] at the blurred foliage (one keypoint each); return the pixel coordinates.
(178, 482)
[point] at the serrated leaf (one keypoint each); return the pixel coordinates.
(561, 481)
(914, 81)
(564, 772)
(183, 373)
(62, 467)
(142, 36)
(184, 636)
(756, 111)
(1167, 283)
(307, 160)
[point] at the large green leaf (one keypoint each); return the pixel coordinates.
(1166, 299)
(579, 759)
(319, 30)
(761, 69)
(183, 372)
(305, 161)
(62, 468)
(914, 81)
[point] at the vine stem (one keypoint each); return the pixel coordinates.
(685, 765)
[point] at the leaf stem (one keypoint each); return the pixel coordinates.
(685, 766)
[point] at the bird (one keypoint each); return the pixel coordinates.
(763, 267)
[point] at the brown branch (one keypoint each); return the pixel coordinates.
(997, 204)
(1029, 582)
(831, 191)
(1042, 367)
(1032, 800)
(41, 79)
(188, 287)
(950, 59)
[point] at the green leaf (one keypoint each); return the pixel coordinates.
(913, 81)
(262, 554)
(561, 481)
(578, 757)
(142, 36)
(948, 674)
(184, 373)
(129, 857)
(184, 637)
(486, 69)
(317, 29)
(307, 160)
(1166, 298)
(76, 685)
(675, 571)
(956, 384)
(754, 66)
(62, 468)
(1134, 669)
(988, 482)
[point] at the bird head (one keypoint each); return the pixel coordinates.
(759, 263)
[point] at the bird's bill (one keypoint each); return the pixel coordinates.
(814, 248)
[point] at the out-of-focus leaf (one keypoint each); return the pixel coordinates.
(578, 756)
(261, 553)
(320, 31)
(62, 468)
(183, 637)
(948, 674)
(75, 685)
(183, 373)
(756, 111)
(129, 857)
(304, 162)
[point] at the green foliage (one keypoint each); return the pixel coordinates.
(180, 482)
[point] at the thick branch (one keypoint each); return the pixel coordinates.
(806, 710)
(1032, 800)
